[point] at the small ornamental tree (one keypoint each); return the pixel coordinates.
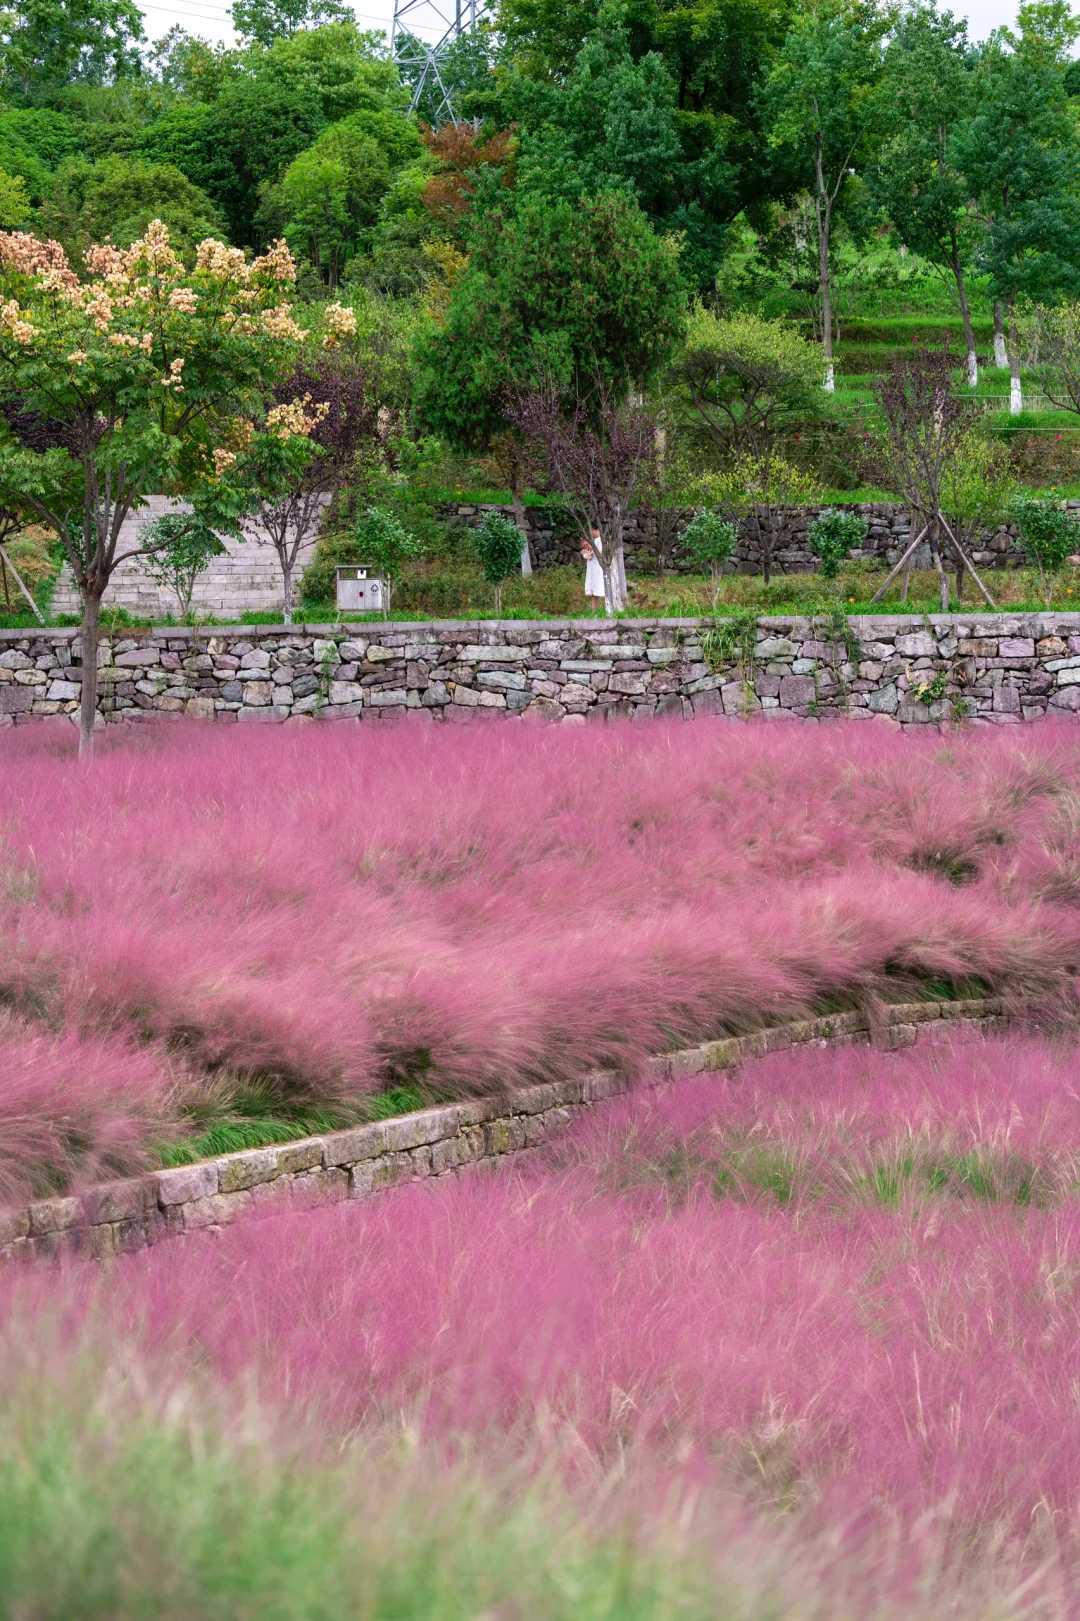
(760, 489)
(581, 293)
(129, 382)
(385, 543)
(926, 425)
(597, 452)
(1054, 334)
(1050, 535)
(498, 542)
(977, 493)
(286, 467)
(832, 537)
(709, 541)
(179, 547)
(744, 380)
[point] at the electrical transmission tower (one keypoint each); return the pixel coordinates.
(422, 38)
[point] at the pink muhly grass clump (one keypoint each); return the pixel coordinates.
(333, 910)
(74, 1110)
(862, 1362)
(991, 1120)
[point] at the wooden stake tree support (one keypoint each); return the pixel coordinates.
(10, 524)
(926, 424)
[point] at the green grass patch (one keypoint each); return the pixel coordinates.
(249, 1123)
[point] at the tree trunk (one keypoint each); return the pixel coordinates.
(614, 577)
(965, 316)
(1001, 359)
(765, 545)
(822, 211)
(91, 638)
(519, 519)
(943, 578)
(1016, 389)
(286, 574)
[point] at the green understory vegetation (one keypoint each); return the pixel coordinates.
(558, 593)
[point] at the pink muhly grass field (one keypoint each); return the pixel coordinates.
(850, 1354)
(335, 911)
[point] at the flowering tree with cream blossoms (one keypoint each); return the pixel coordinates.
(140, 376)
(322, 414)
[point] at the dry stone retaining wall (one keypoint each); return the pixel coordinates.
(910, 669)
(554, 538)
(117, 1217)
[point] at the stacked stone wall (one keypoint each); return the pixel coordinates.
(906, 669)
(554, 538)
(118, 1217)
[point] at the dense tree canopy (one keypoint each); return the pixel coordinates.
(582, 294)
(612, 163)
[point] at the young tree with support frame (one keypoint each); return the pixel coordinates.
(926, 424)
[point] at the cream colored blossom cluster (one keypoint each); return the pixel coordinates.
(150, 254)
(102, 259)
(99, 308)
(295, 420)
(184, 299)
(28, 256)
(125, 340)
(153, 252)
(340, 323)
(229, 264)
(278, 322)
(277, 263)
(174, 379)
(14, 322)
(223, 460)
(221, 262)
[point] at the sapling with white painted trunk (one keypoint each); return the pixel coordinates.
(498, 541)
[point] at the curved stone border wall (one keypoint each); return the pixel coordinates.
(893, 668)
(115, 1217)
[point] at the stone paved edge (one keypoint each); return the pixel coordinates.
(116, 1217)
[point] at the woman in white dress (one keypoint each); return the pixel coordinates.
(594, 574)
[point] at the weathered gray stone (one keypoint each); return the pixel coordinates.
(344, 692)
(504, 680)
(796, 691)
(885, 701)
(920, 644)
(186, 1182)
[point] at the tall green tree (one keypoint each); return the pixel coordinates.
(329, 198)
(582, 294)
(714, 54)
(929, 86)
(272, 107)
(118, 197)
(825, 116)
(267, 20)
(46, 44)
(614, 122)
(1019, 155)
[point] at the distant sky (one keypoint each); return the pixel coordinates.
(210, 18)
